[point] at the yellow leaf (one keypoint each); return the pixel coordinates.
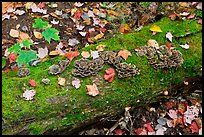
(99, 36)
(88, 22)
(52, 53)
(155, 28)
(100, 47)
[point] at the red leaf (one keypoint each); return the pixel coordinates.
(12, 58)
(141, 131)
(199, 21)
(118, 132)
(71, 54)
(191, 16)
(77, 15)
(33, 83)
(41, 5)
(168, 45)
(6, 70)
(194, 127)
(149, 127)
(102, 29)
(89, 40)
(109, 75)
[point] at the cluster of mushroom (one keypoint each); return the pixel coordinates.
(162, 56)
(57, 69)
(84, 67)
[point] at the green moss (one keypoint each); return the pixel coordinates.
(76, 105)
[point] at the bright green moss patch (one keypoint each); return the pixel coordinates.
(55, 107)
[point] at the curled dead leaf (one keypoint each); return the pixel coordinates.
(99, 36)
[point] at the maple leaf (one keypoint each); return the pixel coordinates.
(92, 90)
(71, 54)
(51, 33)
(25, 57)
(39, 23)
(12, 58)
(33, 83)
(27, 43)
(15, 48)
(124, 53)
(109, 75)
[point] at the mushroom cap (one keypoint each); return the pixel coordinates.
(155, 28)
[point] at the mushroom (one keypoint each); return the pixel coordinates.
(23, 72)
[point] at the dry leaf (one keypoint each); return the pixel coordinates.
(76, 83)
(94, 54)
(169, 36)
(149, 127)
(61, 81)
(124, 53)
(42, 52)
(82, 33)
(24, 35)
(92, 90)
(14, 33)
(111, 12)
(6, 5)
(194, 127)
(191, 16)
(141, 131)
(38, 35)
(199, 21)
(173, 114)
(186, 46)
(71, 54)
(12, 58)
(100, 47)
(85, 54)
(99, 36)
(118, 132)
(110, 73)
(153, 43)
(53, 53)
(29, 94)
(124, 29)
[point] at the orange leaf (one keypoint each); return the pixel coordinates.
(92, 90)
(124, 53)
(12, 58)
(33, 83)
(71, 54)
(6, 5)
(124, 28)
(24, 35)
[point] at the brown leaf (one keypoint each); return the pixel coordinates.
(53, 53)
(124, 29)
(6, 5)
(38, 35)
(24, 36)
(12, 58)
(14, 33)
(92, 90)
(71, 54)
(124, 53)
(99, 36)
(111, 12)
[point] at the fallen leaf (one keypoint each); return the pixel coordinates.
(19, 12)
(94, 54)
(169, 36)
(82, 33)
(110, 73)
(73, 42)
(111, 12)
(169, 123)
(162, 121)
(194, 127)
(149, 127)
(186, 46)
(172, 114)
(78, 4)
(100, 47)
(124, 29)
(41, 5)
(77, 15)
(53, 53)
(169, 104)
(61, 81)
(38, 35)
(181, 108)
(153, 43)
(85, 54)
(88, 22)
(199, 21)
(6, 5)
(155, 28)
(5, 16)
(118, 132)
(124, 53)
(99, 36)
(199, 122)
(91, 14)
(24, 36)
(92, 90)
(79, 27)
(33, 83)
(12, 58)
(172, 16)
(184, 14)
(55, 22)
(29, 94)
(42, 52)
(58, 12)
(76, 83)
(168, 45)
(199, 6)
(71, 54)
(141, 131)
(191, 16)
(14, 33)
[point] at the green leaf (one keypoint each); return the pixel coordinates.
(51, 33)
(39, 23)
(27, 43)
(25, 57)
(15, 48)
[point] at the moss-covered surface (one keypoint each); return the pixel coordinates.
(55, 107)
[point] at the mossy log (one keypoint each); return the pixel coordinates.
(56, 109)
